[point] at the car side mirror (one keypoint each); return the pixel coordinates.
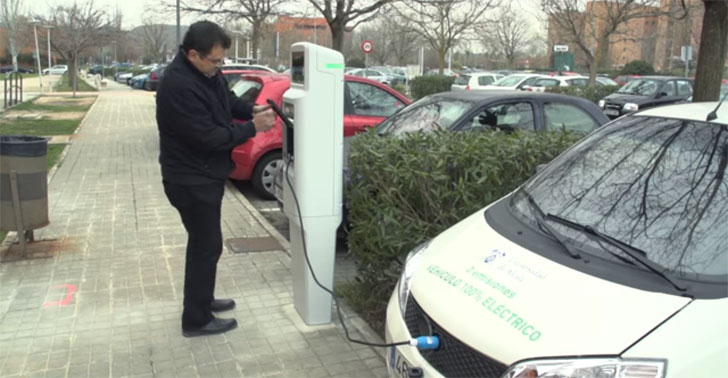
(662, 94)
(524, 87)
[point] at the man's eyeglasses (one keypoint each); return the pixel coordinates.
(217, 62)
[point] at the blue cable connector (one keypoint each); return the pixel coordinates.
(426, 342)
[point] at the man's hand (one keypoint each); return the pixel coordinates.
(260, 108)
(263, 118)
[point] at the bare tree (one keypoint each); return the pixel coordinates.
(404, 40)
(381, 37)
(341, 13)
(508, 34)
(593, 26)
(154, 40)
(9, 15)
(442, 22)
(713, 51)
(79, 28)
(253, 11)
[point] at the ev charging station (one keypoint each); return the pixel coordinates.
(312, 169)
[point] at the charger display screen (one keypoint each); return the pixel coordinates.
(297, 67)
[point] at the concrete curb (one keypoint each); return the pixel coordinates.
(352, 319)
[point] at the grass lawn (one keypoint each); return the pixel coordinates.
(32, 106)
(64, 86)
(41, 127)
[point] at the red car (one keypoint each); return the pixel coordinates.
(366, 104)
(624, 79)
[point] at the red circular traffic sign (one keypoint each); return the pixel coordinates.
(367, 46)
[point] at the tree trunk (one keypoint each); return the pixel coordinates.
(256, 39)
(592, 63)
(338, 32)
(72, 73)
(712, 52)
(602, 53)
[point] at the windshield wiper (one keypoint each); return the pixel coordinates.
(634, 252)
(548, 229)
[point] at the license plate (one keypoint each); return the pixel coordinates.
(611, 112)
(399, 366)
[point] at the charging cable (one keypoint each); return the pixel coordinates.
(422, 342)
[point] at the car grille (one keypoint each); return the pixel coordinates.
(453, 358)
(613, 106)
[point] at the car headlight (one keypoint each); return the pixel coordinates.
(588, 368)
(630, 107)
(410, 264)
(601, 104)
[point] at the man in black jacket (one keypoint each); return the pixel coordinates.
(195, 111)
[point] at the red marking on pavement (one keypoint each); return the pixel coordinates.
(65, 301)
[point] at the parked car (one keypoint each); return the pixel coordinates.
(246, 67)
(624, 79)
(155, 76)
(611, 261)
(445, 72)
(58, 69)
(233, 76)
(366, 103)
(646, 92)
(96, 70)
(6, 69)
(514, 82)
(541, 84)
(123, 77)
(372, 74)
(396, 74)
(474, 81)
(503, 110)
(138, 81)
(603, 80)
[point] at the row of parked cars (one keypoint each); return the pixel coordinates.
(610, 261)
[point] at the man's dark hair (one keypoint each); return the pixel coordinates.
(203, 35)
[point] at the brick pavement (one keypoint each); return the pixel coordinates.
(102, 295)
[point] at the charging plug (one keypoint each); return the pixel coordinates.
(426, 342)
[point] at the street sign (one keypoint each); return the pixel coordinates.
(686, 53)
(561, 48)
(367, 46)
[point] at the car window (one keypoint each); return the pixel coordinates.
(546, 83)
(427, 114)
(373, 73)
(642, 87)
(669, 89)
(578, 82)
(368, 100)
(509, 81)
(485, 80)
(530, 81)
(462, 80)
(247, 89)
(510, 116)
(684, 88)
(561, 116)
(657, 184)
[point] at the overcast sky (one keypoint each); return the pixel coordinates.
(133, 10)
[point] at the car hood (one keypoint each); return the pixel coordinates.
(512, 304)
(620, 98)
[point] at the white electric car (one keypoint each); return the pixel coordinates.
(612, 261)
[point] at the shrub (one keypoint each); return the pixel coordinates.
(422, 86)
(593, 93)
(401, 88)
(638, 67)
(405, 190)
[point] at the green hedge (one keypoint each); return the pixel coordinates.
(405, 190)
(422, 86)
(593, 93)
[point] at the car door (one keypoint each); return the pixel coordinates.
(684, 89)
(367, 105)
(667, 93)
(509, 115)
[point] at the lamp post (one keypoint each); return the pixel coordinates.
(37, 56)
(48, 30)
(237, 32)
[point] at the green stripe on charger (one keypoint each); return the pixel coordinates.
(335, 65)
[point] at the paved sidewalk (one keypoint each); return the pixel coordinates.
(102, 295)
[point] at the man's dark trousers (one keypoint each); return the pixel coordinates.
(199, 207)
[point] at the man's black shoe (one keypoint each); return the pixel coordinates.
(218, 305)
(215, 326)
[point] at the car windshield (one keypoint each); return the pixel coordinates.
(657, 184)
(509, 81)
(643, 87)
(247, 89)
(427, 114)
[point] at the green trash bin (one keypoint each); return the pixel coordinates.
(23, 182)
